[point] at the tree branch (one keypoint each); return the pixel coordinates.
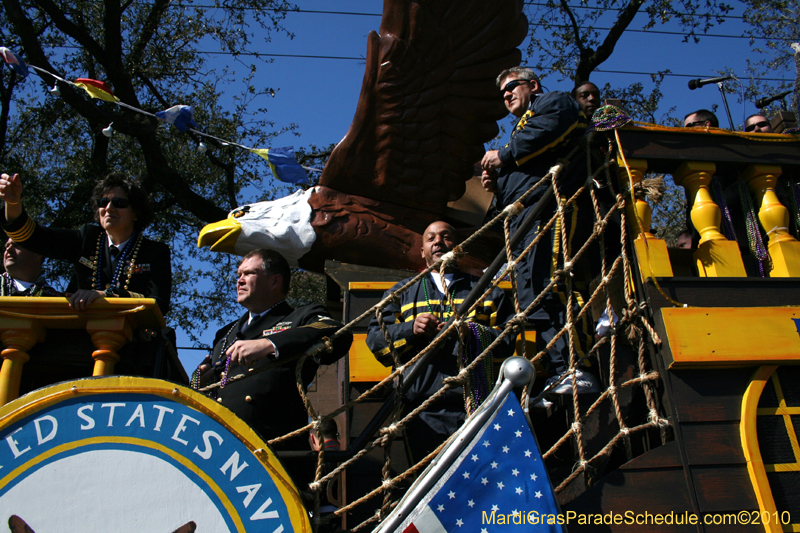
(70, 28)
(159, 170)
(575, 27)
(148, 31)
(589, 62)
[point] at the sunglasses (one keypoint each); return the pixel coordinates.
(513, 84)
(762, 124)
(695, 124)
(119, 203)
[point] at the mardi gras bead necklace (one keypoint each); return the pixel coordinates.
(446, 296)
(756, 243)
(226, 342)
(7, 287)
(477, 385)
(127, 256)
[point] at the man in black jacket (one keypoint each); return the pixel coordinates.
(549, 126)
(413, 323)
(112, 259)
(270, 333)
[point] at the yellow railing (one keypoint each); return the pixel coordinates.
(689, 156)
(24, 322)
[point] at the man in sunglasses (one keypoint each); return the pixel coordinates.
(112, 259)
(702, 118)
(757, 124)
(549, 126)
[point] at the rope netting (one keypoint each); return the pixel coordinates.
(622, 356)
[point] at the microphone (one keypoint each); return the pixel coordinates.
(694, 84)
(764, 102)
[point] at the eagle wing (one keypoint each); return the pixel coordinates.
(428, 100)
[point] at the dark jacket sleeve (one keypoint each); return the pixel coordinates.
(503, 308)
(55, 243)
(545, 127)
(315, 324)
(401, 333)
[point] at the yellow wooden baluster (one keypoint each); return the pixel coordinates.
(783, 248)
(18, 336)
(715, 256)
(652, 252)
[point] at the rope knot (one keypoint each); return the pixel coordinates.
(315, 486)
(657, 420)
(625, 431)
(456, 253)
(518, 321)
(457, 379)
(514, 209)
(394, 298)
(557, 168)
(327, 344)
(392, 430)
(599, 226)
(576, 426)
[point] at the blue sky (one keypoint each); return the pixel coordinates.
(320, 94)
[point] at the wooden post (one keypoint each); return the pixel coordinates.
(108, 336)
(17, 341)
(784, 250)
(716, 256)
(651, 251)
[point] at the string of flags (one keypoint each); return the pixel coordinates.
(282, 161)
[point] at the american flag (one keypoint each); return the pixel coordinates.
(498, 482)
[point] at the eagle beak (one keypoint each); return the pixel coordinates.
(220, 236)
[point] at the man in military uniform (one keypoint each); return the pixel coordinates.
(412, 323)
(549, 127)
(23, 273)
(111, 259)
(270, 332)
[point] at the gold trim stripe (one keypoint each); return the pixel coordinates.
(778, 411)
(549, 146)
(783, 467)
(24, 233)
(397, 344)
(423, 305)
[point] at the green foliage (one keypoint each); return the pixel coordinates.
(566, 39)
(638, 103)
(669, 214)
(774, 26)
(151, 54)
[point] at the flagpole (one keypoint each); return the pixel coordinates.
(515, 372)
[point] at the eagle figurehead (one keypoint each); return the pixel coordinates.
(428, 104)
